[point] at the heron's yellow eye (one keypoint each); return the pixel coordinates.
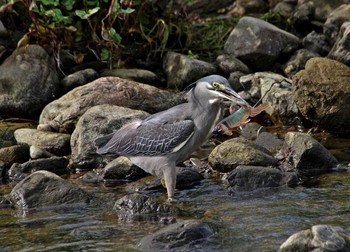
(218, 85)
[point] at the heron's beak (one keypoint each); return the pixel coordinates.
(231, 95)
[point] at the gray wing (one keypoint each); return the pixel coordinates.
(155, 136)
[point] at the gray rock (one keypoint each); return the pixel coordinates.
(234, 152)
(334, 21)
(302, 17)
(142, 207)
(297, 62)
(7, 130)
(181, 236)
(341, 48)
(250, 178)
(97, 121)
(35, 152)
(241, 7)
(139, 75)
(78, 79)
(269, 141)
(14, 154)
(284, 8)
(251, 42)
(28, 81)
(234, 81)
(229, 64)
(46, 189)
(121, 168)
(276, 90)
(55, 143)
(182, 70)
(308, 155)
(322, 94)
(317, 43)
(57, 165)
(63, 113)
(318, 238)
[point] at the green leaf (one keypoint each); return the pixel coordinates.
(113, 35)
(105, 54)
(86, 14)
(127, 10)
(50, 2)
(68, 4)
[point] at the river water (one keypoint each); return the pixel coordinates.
(257, 221)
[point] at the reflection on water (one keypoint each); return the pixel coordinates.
(258, 221)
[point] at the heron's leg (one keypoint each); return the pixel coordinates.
(170, 180)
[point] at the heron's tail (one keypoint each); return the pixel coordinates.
(101, 142)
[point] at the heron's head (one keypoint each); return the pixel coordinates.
(216, 88)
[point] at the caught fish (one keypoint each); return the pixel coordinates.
(241, 116)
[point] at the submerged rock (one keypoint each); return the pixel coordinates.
(57, 165)
(181, 236)
(46, 189)
(28, 81)
(318, 238)
(249, 178)
(142, 207)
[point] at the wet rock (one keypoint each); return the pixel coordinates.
(182, 70)
(55, 143)
(7, 130)
(334, 21)
(234, 152)
(234, 81)
(316, 43)
(308, 155)
(46, 189)
(341, 48)
(63, 113)
(98, 121)
(122, 168)
(269, 141)
(91, 177)
(57, 165)
(250, 41)
(142, 207)
(318, 238)
(78, 78)
(139, 75)
(14, 154)
(302, 17)
(277, 91)
(250, 178)
(229, 64)
(322, 94)
(28, 81)
(36, 152)
(297, 62)
(181, 236)
(251, 130)
(242, 7)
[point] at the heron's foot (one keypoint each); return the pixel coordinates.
(171, 200)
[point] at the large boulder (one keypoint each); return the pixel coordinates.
(234, 152)
(322, 94)
(318, 238)
(46, 189)
(181, 236)
(63, 113)
(28, 81)
(98, 121)
(260, 44)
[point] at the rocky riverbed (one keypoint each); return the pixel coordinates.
(282, 174)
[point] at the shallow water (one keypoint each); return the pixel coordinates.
(259, 221)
